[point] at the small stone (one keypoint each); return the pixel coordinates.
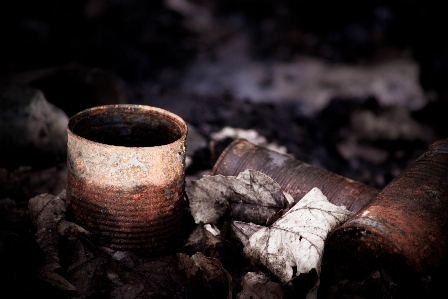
(33, 132)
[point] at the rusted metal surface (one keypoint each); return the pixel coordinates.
(404, 229)
(295, 177)
(126, 174)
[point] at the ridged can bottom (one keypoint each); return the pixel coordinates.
(133, 220)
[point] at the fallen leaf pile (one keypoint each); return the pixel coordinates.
(278, 240)
(92, 271)
(289, 246)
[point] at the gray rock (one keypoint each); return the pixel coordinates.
(73, 87)
(32, 130)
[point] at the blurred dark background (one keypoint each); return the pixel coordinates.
(137, 38)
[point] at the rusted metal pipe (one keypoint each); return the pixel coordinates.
(126, 175)
(402, 234)
(295, 177)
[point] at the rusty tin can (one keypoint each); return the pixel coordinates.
(126, 175)
(402, 233)
(294, 176)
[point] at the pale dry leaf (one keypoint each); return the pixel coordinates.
(260, 286)
(208, 198)
(244, 230)
(296, 240)
(252, 196)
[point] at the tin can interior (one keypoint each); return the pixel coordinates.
(126, 126)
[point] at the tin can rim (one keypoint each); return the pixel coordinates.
(75, 119)
(223, 155)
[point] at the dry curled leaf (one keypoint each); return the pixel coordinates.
(85, 265)
(206, 276)
(46, 211)
(295, 242)
(244, 230)
(252, 196)
(215, 272)
(204, 238)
